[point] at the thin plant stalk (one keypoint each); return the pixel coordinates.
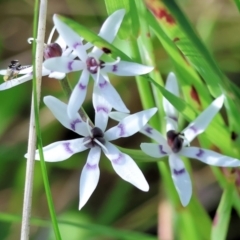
(27, 202)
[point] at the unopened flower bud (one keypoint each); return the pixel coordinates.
(52, 50)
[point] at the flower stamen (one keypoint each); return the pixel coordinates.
(100, 144)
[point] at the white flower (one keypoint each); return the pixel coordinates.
(28, 72)
(91, 65)
(177, 143)
(96, 139)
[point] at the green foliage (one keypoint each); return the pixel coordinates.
(155, 33)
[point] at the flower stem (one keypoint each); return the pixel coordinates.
(34, 124)
(27, 202)
(66, 87)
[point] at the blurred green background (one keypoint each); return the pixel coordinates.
(114, 203)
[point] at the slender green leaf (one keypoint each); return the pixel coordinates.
(237, 2)
(222, 217)
(101, 230)
(196, 52)
(177, 102)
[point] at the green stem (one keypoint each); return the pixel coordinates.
(37, 76)
(66, 87)
(144, 87)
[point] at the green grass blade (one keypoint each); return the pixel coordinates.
(94, 228)
(222, 217)
(38, 131)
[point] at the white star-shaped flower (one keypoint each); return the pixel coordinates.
(96, 139)
(58, 48)
(177, 143)
(91, 65)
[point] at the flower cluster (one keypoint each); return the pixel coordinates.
(68, 54)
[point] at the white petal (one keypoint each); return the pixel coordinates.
(110, 28)
(3, 72)
(155, 150)
(16, 81)
(111, 25)
(26, 70)
(202, 121)
(181, 179)
(146, 130)
(59, 110)
(57, 75)
(89, 176)
(63, 64)
(45, 71)
(125, 167)
(78, 94)
(130, 125)
(210, 157)
(124, 68)
(110, 94)
(118, 116)
(171, 112)
(102, 109)
(72, 39)
(60, 151)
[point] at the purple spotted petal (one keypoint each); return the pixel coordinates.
(102, 109)
(59, 110)
(124, 68)
(146, 130)
(153, 134)
(202, 121)
(155, 150)
(210, 157)
(89, 176)
(60, 151)
(181, 179)
(72, 39)
(109, 29)
(125, 167)
(130, 125)
(171, 112)
(63, 64)
(110, 94)
(79, 94)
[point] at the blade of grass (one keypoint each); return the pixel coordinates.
(98, 229)
(222, 217)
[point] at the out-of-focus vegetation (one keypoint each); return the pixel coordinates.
(115, 203)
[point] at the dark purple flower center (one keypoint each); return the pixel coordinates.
(52, 50)
(175, 140)
(93, 65)
(97, 134)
